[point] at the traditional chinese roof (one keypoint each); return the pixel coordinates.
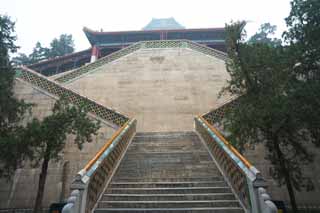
(108, 42)
(213, 37)
(163, 24)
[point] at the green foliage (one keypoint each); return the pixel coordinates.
(37, 141)
(279, 89)
(264, 35)
(62, 46)
(21, 59)
(304, 39)
(12, 111)
(39, 53)
(47, 137)
(58, 47)
(6, 36)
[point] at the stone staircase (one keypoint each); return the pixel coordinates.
(168, 172)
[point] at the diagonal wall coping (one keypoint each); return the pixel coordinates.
(86, 69)
(108, 114)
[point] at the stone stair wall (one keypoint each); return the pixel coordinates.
(20, 192)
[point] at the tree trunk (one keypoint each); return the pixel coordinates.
(287, 178)
(41, 185)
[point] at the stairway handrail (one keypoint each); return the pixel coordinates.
(229, 145)
(57, 90)
(245, 180)
(88, 185)
(109, 142)
(205, 50)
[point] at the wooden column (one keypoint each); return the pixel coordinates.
(95, 53)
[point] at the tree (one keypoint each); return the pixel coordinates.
(304, 39)
(271, 109)
(58, 47)
(264, 34)
(21, 59)
(39, 53)
(47, 138)
(62, 46)
(12, 111)
(37, 141)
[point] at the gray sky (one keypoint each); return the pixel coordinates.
(43, 20)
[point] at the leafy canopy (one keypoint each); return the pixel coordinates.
(12, 110)
(271, 109)
(47, 137)
(58, 47)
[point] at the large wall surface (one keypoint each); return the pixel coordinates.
(20, 192)
(162, 88)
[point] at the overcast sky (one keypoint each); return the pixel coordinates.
(43, 20)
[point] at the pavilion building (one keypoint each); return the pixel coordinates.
(105, 43)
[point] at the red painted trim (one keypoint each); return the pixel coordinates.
(95, 51)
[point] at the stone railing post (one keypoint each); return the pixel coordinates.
(254, 182)
(80, 184)
(260, 200)
(77, 199)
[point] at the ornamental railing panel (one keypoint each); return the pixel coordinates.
(236, 175)
(73, 97)
(164, 44)
(216, 115)
(107, 59)
(90, 182)
(207, 50)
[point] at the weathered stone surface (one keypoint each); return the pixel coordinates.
(21, 191)
(162, 88)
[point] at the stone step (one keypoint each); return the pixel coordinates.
(172, 210)
(168, 167)
(144, 163)
(167, 159)
(163, 156)
(168, 204)
(165, 174)
(163, 197)
(169, 179)
(165, 184)
(164, 137)
(165, 134)
(148, 149)
(169, 153)
(167, 141)
(168, 190)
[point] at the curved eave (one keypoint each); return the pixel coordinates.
(89, 34)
